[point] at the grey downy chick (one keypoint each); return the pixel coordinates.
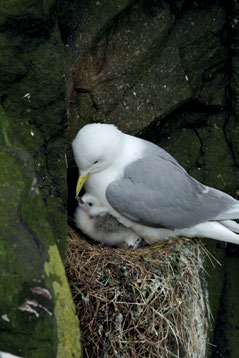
(95, 221)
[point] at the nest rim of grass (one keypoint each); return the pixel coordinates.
(137, 303)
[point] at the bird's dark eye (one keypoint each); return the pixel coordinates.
(90, 204)
(96, 162)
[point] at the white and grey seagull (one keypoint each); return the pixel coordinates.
(147, 190)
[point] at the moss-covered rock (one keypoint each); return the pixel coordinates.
(33, 96)
(161, 69)
(36, 309)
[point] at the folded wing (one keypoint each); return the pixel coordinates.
(158, 192)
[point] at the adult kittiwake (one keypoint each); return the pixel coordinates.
(147, 190)
(95, 221)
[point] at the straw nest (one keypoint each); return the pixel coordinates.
(148, 302)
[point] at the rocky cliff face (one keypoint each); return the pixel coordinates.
(163, 70)
(36, 310)
(33, 96)
(168, 72)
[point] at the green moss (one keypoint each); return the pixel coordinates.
(22, 257)
(64, 311)
(32, 324)
(24, 15)
(5, 130)
(11, 61)
(12, 180)
(25, 236)
(34, 86)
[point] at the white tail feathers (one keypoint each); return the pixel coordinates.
(231, 225)
(222, 231)
(230, 214)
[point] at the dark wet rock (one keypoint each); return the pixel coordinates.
(168, 72)
(149, 62)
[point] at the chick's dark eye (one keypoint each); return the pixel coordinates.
(90, 204)
(96, 162)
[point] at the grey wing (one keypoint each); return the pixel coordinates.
(157, 192)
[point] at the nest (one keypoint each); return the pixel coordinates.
(148, 302)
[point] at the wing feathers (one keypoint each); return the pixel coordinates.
(157, 192)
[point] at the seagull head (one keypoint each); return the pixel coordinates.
(94, 148)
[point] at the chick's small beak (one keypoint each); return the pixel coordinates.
(81, 181)
(79, 200)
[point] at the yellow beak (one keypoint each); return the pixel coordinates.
(80, 182)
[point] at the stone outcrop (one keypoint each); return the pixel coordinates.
(36, 310)
(37, 313)
(163, 70)
(168, 72)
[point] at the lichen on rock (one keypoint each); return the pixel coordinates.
(31, 311)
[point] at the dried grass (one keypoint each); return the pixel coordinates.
(147, 302)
